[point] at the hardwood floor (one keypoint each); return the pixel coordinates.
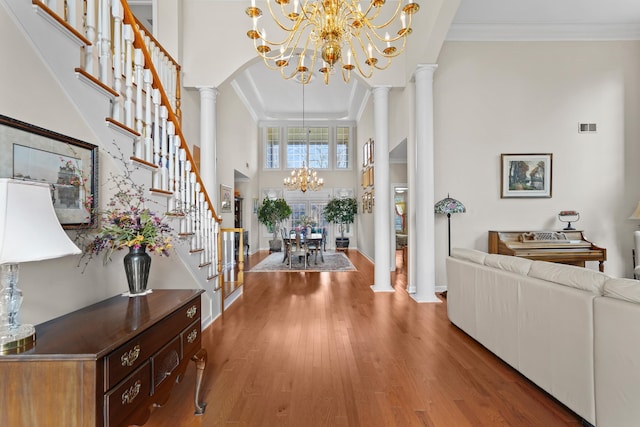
(322, 349)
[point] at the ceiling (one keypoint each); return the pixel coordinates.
(270, 97)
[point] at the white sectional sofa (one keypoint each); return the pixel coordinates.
(574, 332)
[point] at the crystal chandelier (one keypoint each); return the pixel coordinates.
(303, 179)
(340, 32)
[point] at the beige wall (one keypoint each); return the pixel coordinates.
(493, 98)
(55, 287)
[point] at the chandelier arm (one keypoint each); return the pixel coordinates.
(284, 15)
(388, 22)
(356, 61)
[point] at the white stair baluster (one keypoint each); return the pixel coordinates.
(91, 35)
(148, 142)
(128, 76)
(139, 71)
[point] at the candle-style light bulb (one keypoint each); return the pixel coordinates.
(403, 20)
(386, 37)
(349, 57)
(370, 50)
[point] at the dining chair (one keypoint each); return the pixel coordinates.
(285, 243)
(297, 248)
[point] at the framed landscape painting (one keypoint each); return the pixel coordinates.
(526, 175)
(68, 165)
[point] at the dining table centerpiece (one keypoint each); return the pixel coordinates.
(127, 223)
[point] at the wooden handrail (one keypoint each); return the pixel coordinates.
(148, 33)
(138, 43)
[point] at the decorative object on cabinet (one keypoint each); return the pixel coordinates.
(448, 206)
(568, 217)
(29, 231)
(526, 175)
(108, 362)
(69, 165)
(128, 223)
(225, 198)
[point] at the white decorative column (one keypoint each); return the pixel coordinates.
(382, 207)
(412, 194)
(425, 272)
(208, 142)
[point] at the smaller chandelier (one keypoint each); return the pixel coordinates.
(339, 34)
(303, 179)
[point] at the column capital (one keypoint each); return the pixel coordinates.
(425, 71)
(208, 91)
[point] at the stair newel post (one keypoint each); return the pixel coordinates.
(139, 72)
(164, 132)
(156, 135)
(148, 142)
(128, 76)
(91, 35)
(104, 40)
(116, 10)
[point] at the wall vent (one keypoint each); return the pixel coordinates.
(587, 128)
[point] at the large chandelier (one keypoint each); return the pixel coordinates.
(340, 32)
(303, 179)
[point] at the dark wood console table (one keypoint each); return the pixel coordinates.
(106, 364)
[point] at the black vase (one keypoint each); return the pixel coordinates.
(137, 264)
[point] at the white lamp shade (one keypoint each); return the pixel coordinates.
(29, 227)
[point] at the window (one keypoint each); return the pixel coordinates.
(320, 147)
(272, 148)
(311, 150)
(342, 148)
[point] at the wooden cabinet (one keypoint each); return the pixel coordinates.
(106, 364)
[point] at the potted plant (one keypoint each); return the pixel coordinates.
(341, 211)
(271, 213)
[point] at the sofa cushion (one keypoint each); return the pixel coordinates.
(472, 255)
(508, 263)
(624, 289)
(569, 275)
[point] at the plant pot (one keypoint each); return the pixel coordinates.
(137, 264)
(275, 245)
(342, 243)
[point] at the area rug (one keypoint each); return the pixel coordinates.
(333, 261)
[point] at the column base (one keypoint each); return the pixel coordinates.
(389, 289)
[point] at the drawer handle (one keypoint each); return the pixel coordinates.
(192, 312)
(132, 393)
(131, 356)
(192, 336)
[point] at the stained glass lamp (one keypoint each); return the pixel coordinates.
(447, 207)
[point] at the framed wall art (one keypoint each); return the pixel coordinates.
(225, 199)
(526, 175)
(68, 165)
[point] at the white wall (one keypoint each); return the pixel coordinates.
(364, 221)
(493, 98)
(55, 287)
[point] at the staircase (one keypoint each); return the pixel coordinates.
(127, 88)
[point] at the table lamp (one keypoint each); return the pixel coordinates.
(449, 206)
(29, 231)
(568, 217)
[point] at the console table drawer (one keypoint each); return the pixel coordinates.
(123, 399)
(191, 339)
(165, 362)
(128, 357)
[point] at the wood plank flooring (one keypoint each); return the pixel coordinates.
(322, 349)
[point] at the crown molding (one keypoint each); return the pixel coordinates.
(543, 32)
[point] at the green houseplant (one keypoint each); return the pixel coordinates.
(341, 211)
(271, 213)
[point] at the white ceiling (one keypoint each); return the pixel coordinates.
(272, 98)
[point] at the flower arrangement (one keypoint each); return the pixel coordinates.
(127, 222)
(306, 221)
